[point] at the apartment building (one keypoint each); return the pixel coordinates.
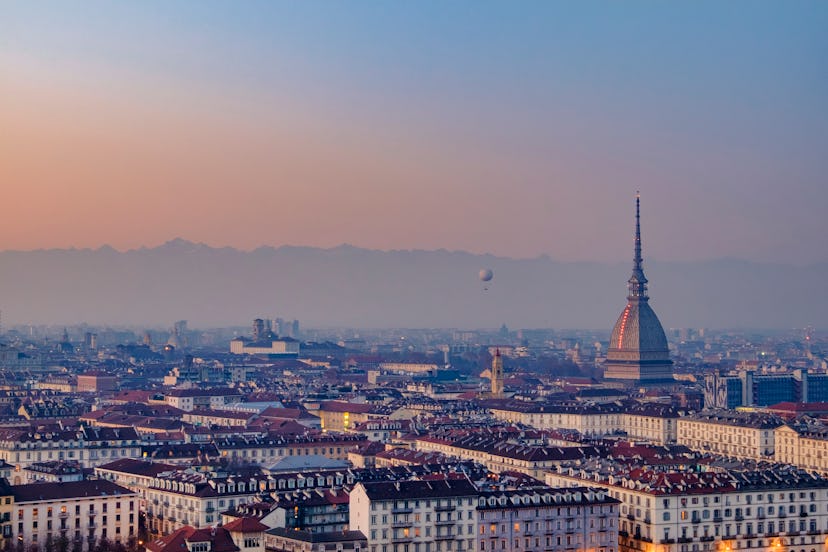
(646, 421)
(83, 512)
(545, 519)
(267, 450)
(188, 497)
(739, 435)
(135, 475)
(180, 498)
(591, 420)
(89, 446)
(190, 399)
(280, 539)
(804, 445)
(500, 455)
(653, 422)
(676, 509)
(418, 516)
(6, 510)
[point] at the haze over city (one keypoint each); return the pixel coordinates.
(485, 127)
(457, 276)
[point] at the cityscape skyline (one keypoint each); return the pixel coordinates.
(341, 277)
(489, 130)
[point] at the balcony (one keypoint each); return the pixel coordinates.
(401, 538)
(814, 532)
(667, 541)
(402, 510)
(793, 533)
(685, 539)
(446, 536)
(445, 522)
(446, 508)
(740, 518)
(717, 519)
(695, 520)
(630, 517)
(401, 524)
(707, 538)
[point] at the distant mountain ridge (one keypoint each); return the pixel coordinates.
(355, 287)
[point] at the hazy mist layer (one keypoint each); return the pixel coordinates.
(348, 286)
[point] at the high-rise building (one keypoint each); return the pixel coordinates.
(638, 351)
(749, 388)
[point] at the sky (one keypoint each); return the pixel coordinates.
(513, 128)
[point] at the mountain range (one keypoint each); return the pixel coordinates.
(348, 286)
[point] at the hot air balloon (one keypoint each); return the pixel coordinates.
(485, 276)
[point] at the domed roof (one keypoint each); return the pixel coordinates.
(638, 347)
(638, 330)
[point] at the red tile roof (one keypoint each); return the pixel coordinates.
(246, 525)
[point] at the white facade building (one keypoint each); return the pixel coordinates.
(679, 510)
(746, 436)
(417, 516)
(79, 511)
(547, 520)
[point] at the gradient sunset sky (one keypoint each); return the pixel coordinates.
(514, 128)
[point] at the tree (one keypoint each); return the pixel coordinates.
(103, 545)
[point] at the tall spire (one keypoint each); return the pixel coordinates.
(637, 284)
(637, 261)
